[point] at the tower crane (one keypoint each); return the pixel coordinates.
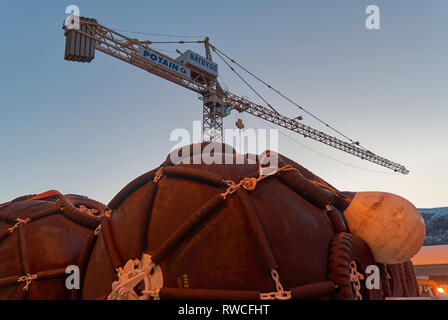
(198, 74)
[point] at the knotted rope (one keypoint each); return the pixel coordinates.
(19, 221)
(250, 183)
(158, 175)
(27, 279)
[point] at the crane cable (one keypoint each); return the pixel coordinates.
(159, 34)
(321, 153)
(244, 80)
(287, 136)
(216, 50)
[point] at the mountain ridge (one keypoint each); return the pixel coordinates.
(436, 222)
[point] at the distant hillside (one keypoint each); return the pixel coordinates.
(436, 221)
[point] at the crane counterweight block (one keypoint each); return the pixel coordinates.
(79, 47)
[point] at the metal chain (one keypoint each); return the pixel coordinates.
(281, 294)
(355, 278)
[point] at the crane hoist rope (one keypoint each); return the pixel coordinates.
(247, 83)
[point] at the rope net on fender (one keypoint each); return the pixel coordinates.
(137, 270)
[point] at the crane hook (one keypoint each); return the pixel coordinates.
(239, 124)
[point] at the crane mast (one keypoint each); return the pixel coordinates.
(82, 42)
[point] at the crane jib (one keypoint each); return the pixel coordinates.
(163, 61)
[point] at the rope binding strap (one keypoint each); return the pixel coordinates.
(97, 230)
(27, 279)
(158, 175)
(19, 221)
(249, 183)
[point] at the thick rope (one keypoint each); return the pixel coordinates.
(110, 244)
(259, 233)
(23, 247)
(84, 259)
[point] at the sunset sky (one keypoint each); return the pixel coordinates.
(91, 128)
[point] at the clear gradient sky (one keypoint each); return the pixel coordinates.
(91, 128)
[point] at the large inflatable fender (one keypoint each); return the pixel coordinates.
(392, 226)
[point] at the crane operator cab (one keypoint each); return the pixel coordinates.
(216, 104)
